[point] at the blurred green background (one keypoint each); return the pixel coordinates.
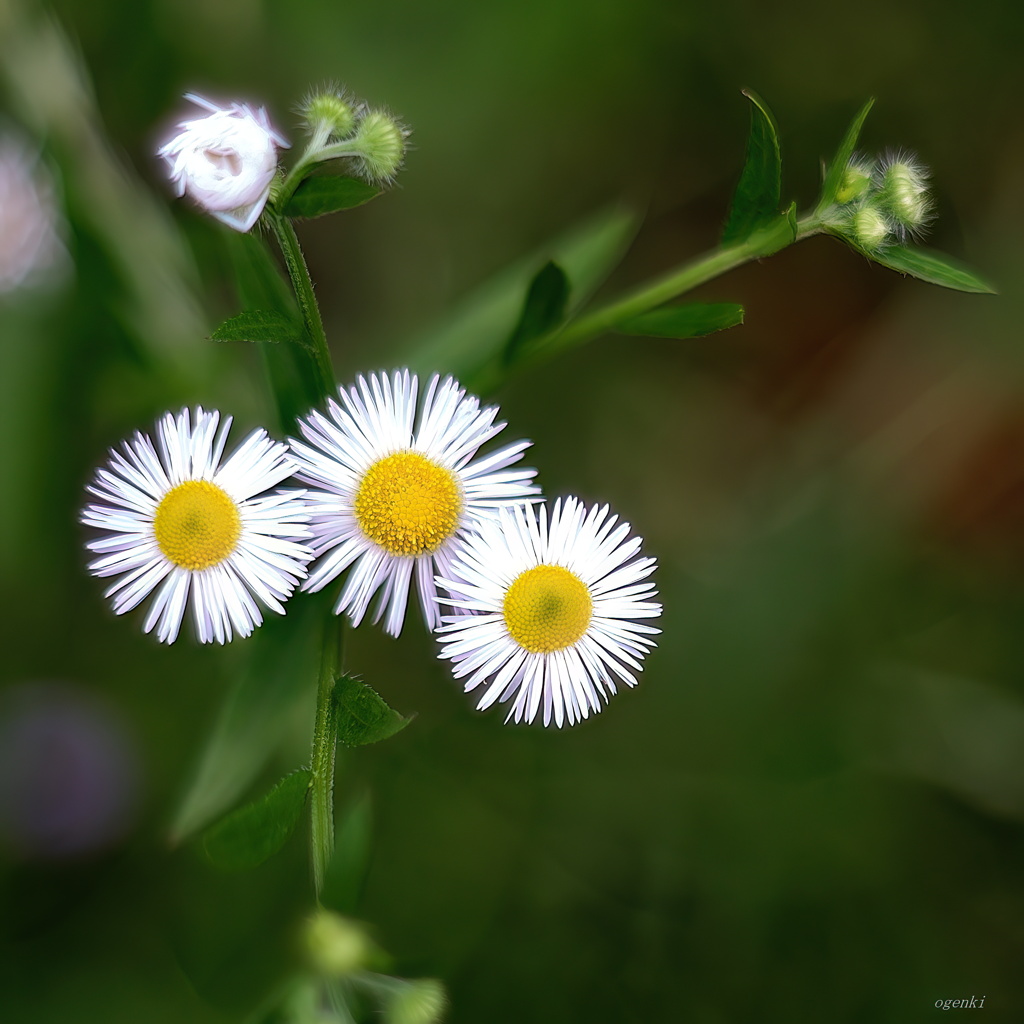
(811, 808)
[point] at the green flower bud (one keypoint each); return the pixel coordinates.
(330, 112)
(335, 945)
(856, 182)
(381, 142)
(870, 228)
(903, 192)
(418, 1002)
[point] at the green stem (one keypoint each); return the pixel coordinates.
(670, 286)
(316, 153)
(303, 287)
(325, 735)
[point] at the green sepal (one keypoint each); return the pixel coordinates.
(543, 309)
(249, 836)
(321, 194)
(933, 267)
(837, 168)
(755, 203)
(259, 325)
(693, 320)
(364, 716)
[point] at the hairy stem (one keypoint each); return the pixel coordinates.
(325, 733)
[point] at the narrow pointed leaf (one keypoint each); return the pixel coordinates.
(322, 194)
(363, 715)
(248, 836)
(933, 267)
(543, 309)
(694, 320)
(836, 169)
(258, 325)
(756, 200)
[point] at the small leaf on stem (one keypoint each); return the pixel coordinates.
(363, 715)
(756, 200)
(837, 168)
(258, 325)
(933, 267)
(543, 308)
(322, 194)
(694, 320)
(248, 836)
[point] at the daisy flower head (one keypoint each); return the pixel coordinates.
(197, 529)
(396, 485)
(226, 161)
(544, 608)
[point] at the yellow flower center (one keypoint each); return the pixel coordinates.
(547, 608)
(407, 504)
(197, 525)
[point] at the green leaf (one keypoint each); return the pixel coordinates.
(543, 310)
(363, 715)
(248, 836)
(475, 335)
(933, 267)
(275, 675)
(258, 325)
(836, 169)
(322, 194)
(756, 200)
(346, 873)
(694, 320)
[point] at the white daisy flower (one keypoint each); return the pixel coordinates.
(180, 522)
(545, 609)
(225, 161)
(400, 489)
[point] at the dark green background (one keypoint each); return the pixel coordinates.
(811, 808)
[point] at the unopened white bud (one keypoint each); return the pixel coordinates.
(225, 161)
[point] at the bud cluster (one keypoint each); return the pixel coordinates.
(344, 127)
(881, 201)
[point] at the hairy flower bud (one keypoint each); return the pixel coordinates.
(335, 945)
(903, 192)
(870, 228)
(381, 142)
(419, 1002)
(856, 181)
(225, 161)
(331, 113)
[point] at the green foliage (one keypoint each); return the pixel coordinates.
(755, 204)
(363, 716)
(343, 879)
(274, 681)
(321, 194)
(258, 325)
(837, 168)
(543, 308)
(248, 836)
(933, 267)
(693, 320)
(469, 343)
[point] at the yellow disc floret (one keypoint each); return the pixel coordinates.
(408, 504)
(547, 608)
(197, 525)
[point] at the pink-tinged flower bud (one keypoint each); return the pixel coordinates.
(225, 161)
(30, 248)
